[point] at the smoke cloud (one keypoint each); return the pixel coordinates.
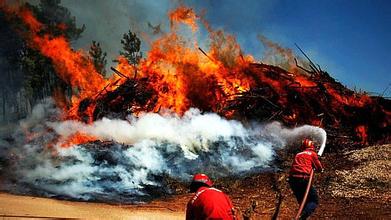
(133, 155)
(107, 21)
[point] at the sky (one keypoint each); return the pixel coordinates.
(348, 39)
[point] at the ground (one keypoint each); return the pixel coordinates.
(356, 185)
(13, 206)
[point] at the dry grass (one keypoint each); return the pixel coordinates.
(369, 176)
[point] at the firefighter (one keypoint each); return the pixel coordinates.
(208, 202)
(299, 176)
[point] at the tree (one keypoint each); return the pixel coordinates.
(57, 19)
(27, 75)
(98, 57)
(11, 74)
(131, 46)
(40, 77)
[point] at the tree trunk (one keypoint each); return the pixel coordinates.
(4, 105)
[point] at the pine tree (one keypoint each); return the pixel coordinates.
(131, 46)
(98, 57)
(58, 19)
(25, 71)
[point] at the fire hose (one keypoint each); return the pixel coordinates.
(305, 195)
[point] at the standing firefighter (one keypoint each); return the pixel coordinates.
(208, 202)
(299, 176)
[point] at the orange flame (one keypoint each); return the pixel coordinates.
(183, 75)
(71, 66)
(30, 20)
(184, 15)
(77, 138)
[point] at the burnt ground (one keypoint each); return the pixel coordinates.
(355, 185)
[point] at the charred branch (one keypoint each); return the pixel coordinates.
(203, 52)
(104, 88)
(119, 73)
(302, 68)
(275, 94)
(311, 64)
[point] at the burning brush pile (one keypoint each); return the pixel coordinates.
(181, 110)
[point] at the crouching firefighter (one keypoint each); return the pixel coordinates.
(208, 202)
(299, 176)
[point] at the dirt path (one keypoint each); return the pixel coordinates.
(12, 206)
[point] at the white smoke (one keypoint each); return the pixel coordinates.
(193, 132)
(138, 151)
(294, 136)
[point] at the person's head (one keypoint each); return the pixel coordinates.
(200, 180)
(307, 144)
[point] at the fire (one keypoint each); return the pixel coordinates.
(179, 72)
(71, 66)
(30, 20)
(77, 138)
(183, 75)
(350, 100)
(184, 15)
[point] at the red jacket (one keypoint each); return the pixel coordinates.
(304, 162)
(209, 203)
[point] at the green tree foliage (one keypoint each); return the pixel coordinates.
(57, 18)
(131, 45)
(98, 57)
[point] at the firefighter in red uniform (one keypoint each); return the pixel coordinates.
(299, 176)
(208, 202)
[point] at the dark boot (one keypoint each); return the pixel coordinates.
(304, 216)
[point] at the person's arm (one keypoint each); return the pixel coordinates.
(316, 163)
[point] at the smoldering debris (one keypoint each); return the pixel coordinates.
(129, 158)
